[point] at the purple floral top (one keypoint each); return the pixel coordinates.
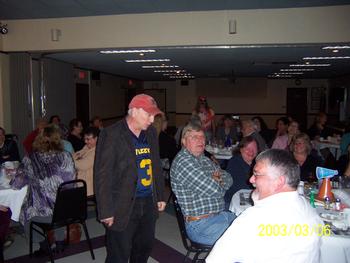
(43, 172)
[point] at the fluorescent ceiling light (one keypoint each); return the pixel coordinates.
(177, 75)
(169, 70)
(297, 69)
(314, 58)
(279, 76)
(230, 46)
(161, 66)
(181, 77)
(288, 73)
(127, 51)
(146, 60)
(310, 65)
(336, 47)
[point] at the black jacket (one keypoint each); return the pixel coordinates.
(115, 173)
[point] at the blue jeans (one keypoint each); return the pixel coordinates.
(208, 230)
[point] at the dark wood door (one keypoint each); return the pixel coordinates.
(297, 106)
(82, 102)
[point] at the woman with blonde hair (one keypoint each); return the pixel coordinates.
(301, 149)
(43, 170)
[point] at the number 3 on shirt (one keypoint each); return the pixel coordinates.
(143, 163)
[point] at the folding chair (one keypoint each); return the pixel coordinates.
(70, 208)
(190, 246)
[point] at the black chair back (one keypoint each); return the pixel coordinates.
(71, 203)
(181, 222)
(188, 244)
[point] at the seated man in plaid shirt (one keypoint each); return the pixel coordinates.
(200, 185)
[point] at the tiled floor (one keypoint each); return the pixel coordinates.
(168, 246)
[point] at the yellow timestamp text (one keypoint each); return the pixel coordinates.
(269, 230)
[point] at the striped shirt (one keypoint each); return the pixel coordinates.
(191, 181)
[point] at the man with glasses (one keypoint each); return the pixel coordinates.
(281, 226)
(200, 185)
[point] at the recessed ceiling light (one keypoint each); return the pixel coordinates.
(289, 73)
(279, 76)
(161, 66)
(335, 50)
(169, 70)
(127, 51)
(324, 58)
(310, 65)
(297, 69)
(141, 54)
(336, 47)
(146, 60)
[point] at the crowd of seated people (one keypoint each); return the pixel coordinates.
(253, 136)
(49, 159)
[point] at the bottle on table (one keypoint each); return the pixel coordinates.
(327, 203)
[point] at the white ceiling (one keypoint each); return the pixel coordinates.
(202, 62)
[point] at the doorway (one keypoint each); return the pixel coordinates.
(297, 106)
(82, 102)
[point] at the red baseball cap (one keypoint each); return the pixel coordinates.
(145, 102)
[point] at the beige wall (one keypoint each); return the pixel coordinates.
(5, 106)
(107, 96)
(279, 26)
(244, 97)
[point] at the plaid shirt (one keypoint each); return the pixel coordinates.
(191, 181)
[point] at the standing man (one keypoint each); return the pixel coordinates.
(281, 226)
(200, 186)
(128, 182)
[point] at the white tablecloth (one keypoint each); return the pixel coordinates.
(220, 153)
(334, 249)
(13, 199)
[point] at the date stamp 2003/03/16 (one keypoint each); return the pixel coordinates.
(287, 230)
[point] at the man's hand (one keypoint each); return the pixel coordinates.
(217, 176)
(161, 206)
(108, 222)
(4, 208)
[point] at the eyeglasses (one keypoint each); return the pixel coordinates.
(196, 137)
(257, 175)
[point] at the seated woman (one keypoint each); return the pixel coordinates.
(283, 141)
(240, 166)
(8, 148)
(74, 137)
(227, 133)
(301, 148)
(44, 169)
(84, 159)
